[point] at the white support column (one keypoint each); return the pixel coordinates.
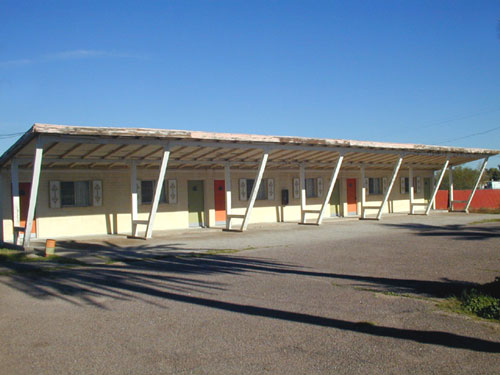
(333, 179)
(158, 190)
(389, 188)
(16, 206)
(436, 187)
(227, 177)
(303, 206)
(412, 189)
(133, 190)
(255, 190)
(450, 177)
(432, 189)
(481, 171)
(2, 238)
(363, 192)
(35, 181)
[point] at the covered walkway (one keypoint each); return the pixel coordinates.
(74, 148)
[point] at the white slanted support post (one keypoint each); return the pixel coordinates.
(481, 171)
(389, 188)
(363, 192)
(450, 177)
(436, 187)
(133, 190)
(35, 182)
(158, 190)
(227, 178)
(16, 208)
(2, 238)
(303, 206)
(412, 189)
(255, 190)
(333, 179)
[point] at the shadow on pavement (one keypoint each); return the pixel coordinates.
(177, 279)
(462, 232)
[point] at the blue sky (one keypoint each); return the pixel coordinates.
(397, 71)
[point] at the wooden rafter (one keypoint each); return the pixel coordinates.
(89, 153)
(119, 148)
(152, 153)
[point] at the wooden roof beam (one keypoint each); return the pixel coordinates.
(151, 153)
(85, 156)
(119, 148)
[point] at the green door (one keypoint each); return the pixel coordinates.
(196, 204)
(427, 188)
(335, 200)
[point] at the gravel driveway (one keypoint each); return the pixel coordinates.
(348, 297)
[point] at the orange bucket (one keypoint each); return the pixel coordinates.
(50, 247)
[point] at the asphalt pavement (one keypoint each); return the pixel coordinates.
(348, 297)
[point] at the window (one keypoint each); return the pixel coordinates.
(417, 184)
(374, 185)
(266, 189)
(75, 194)
(405, 185)
(311, 188)
(148, 191)
(262, 193)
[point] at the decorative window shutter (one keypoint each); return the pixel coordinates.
(366, 184)
(172, 191)
(384, 184)
(320, 186)
(403, 191)
(243, 189)
(270, 189)
(55, 194)
(97, 193)
(419, 184)
(296, 188)
(139, 194)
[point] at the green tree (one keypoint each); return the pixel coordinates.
(493, 174)
(463, 178)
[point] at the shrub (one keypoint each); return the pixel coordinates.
(483, 301)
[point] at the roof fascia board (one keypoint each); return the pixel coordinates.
(192, 135)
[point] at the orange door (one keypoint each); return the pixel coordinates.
(352, 202)
(220, 201)
(24, 202)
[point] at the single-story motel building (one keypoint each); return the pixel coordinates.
(68, 181)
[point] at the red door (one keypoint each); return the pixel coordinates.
(220, 201)
(24, 202)
(352, 202)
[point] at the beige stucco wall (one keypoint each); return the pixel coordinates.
(114, 215)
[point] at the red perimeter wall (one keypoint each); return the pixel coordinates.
(485, 198)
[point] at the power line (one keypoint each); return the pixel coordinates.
(464, 117)
(472, 135)
(11, 135)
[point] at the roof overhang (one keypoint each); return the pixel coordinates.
(81, 147)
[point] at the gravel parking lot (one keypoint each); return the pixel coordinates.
(348, 297)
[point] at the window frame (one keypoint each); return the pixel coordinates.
(73, 193)
(311, 182)
(163, 196)
(371, 188)
(262, 194)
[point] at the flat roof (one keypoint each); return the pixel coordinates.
(113, 147)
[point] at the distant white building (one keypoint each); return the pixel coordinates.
(492, 185)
